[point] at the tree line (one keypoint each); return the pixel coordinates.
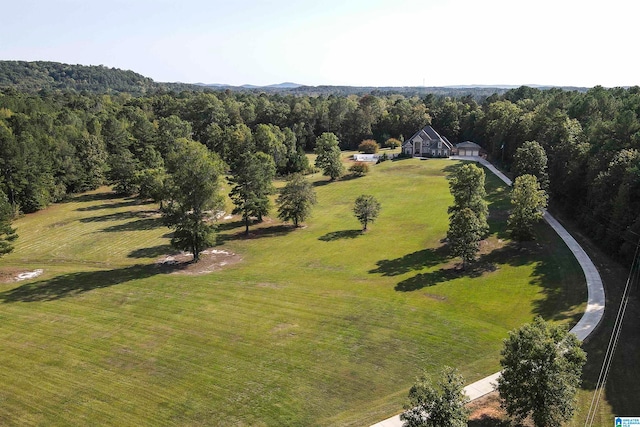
(57, 143)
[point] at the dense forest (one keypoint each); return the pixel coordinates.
(97, 79)
(57, 142)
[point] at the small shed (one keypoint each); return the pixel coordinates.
(468, 148)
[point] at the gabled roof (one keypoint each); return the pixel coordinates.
(447, 143)
(430, 136)
(468, 144)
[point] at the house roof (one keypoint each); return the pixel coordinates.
(468, 144)
(430, 136)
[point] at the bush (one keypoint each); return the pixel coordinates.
(383, 158)
(393, 143)
(359, 168)
(368, 146)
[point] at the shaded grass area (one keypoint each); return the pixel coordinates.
(309, 329)
(621, 396)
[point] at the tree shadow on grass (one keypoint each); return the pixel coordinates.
(489, 421)
(511, 254)
(453, 168)
(73, 284)
(226, 226)
(342, 234)
(425, 280)
(558, 303)
(153, 252)
(400, 158)
(412, 262)
(122, 204)
(324, 182)
(138, 225)
(256, 233)
(93, 197)
(119, 216)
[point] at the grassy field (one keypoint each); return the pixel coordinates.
(321, 325)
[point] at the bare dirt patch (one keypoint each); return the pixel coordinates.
(486, 412)
(490, 244)
(210, 260)
(435, 297)
(14, 274)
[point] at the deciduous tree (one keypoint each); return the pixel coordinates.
(542, 364)
(528, 201)
(530, 158)
(366, 209)
(437, 405)
(192, 196)
(464, 235)
(467, 187)
(328, 158)
(296, 199)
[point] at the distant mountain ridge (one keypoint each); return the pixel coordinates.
(46, 75)
(285, 85)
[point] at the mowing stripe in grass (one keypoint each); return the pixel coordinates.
(310, 328)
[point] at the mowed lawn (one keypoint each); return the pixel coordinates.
(321, 325)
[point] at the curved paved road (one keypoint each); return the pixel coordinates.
(587, 324)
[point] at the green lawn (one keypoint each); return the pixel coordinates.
(316, 326)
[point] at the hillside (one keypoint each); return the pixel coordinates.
(38, 75)
(45, 75)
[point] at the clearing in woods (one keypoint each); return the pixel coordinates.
(321, 325)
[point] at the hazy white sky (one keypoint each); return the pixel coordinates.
(336, 42)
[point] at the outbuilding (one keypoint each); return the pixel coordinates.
(468, 148)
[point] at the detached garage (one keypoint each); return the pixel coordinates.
(468, 148)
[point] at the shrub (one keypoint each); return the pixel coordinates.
(368, 146)
(393, 143)
(359, 168)
(383, 158)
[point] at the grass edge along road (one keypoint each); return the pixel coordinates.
(318, 326)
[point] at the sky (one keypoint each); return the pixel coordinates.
(336, 42)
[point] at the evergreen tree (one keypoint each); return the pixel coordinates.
(7, 233)
(251, 182)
